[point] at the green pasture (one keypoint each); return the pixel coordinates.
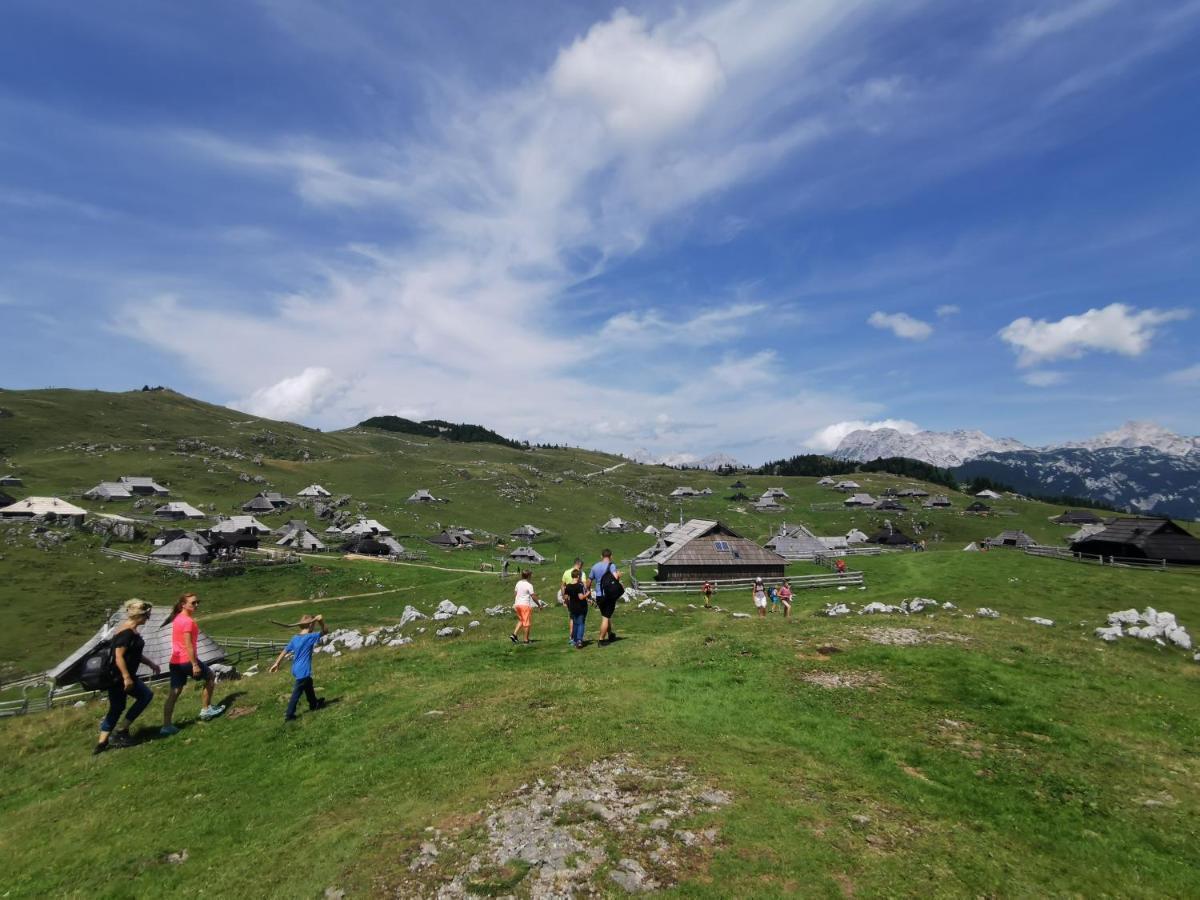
(1015, 760)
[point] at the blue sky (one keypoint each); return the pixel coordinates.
(688, 227)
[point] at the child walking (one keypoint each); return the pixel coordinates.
(301, 647)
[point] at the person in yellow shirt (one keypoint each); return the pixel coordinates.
(567, 578)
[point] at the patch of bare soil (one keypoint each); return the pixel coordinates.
(867, 680)
(908, 637)
(574, 833)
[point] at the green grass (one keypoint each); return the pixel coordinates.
(1037, 786)
(1039, 790)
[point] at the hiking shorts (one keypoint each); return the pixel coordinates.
(607, 607)
(524, 615)
(181, 672)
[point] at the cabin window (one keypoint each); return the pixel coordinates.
(721, 545)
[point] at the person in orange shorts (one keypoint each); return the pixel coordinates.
(524, 598)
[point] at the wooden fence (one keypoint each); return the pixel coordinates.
(1124, 562)
(797, 582)
(205, 570)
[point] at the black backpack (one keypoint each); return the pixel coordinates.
(96, 674)
(610, 587)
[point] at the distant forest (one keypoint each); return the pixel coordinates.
(451, 431)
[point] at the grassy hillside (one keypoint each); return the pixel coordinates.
(63, 442)
(998, 758)
(979, 757)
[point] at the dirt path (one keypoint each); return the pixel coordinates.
(262, 606)
(604, 471)
(392, 562)
(282, 603)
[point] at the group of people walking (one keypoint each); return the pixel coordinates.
(127, 653)
(578, 591)
(127, 649)
(764, 597)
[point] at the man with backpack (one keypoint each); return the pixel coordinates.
(604, 581)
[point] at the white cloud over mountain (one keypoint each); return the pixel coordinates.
(827, 439)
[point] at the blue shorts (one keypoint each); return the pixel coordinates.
(181, 672)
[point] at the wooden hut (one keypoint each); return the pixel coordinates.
(1011, 538)
(1141, 538)
(704, 550)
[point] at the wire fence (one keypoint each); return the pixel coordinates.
(40, 694)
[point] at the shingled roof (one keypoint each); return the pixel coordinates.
(695, 543)
(1143, 538)
(158, 646)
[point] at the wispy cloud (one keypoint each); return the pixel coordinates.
(1117, 328)
(946, 310)
(1188, 376)
(1043, 378)
(708, 326)
(515, 196)
(901, 324)
(1051, 21)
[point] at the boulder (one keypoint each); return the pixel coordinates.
(985, 612)
(449, 631)
(410, 613)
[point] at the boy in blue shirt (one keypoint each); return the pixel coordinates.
(301, 647)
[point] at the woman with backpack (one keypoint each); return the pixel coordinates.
(127, 646)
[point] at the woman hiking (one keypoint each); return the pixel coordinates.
(127, 647)
(524, 598)
(185, 662)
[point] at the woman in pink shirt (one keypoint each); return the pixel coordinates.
(185, 663)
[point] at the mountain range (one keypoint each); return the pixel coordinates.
(684, 460)
(1140, 466)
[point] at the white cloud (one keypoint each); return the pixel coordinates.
(612, 67)
(708, 326)
(1043, 378)
(1116, 328)
(511, 198)
(297, 397)
(947, 309)
(901, 324)
(828, 438)
(1038, 26)
(1190, 375)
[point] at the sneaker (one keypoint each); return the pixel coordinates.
(513, 638)
(168, 730)
(290, 718)
(99, 748)
(320, 704)
(120, 739)
(210, 712)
